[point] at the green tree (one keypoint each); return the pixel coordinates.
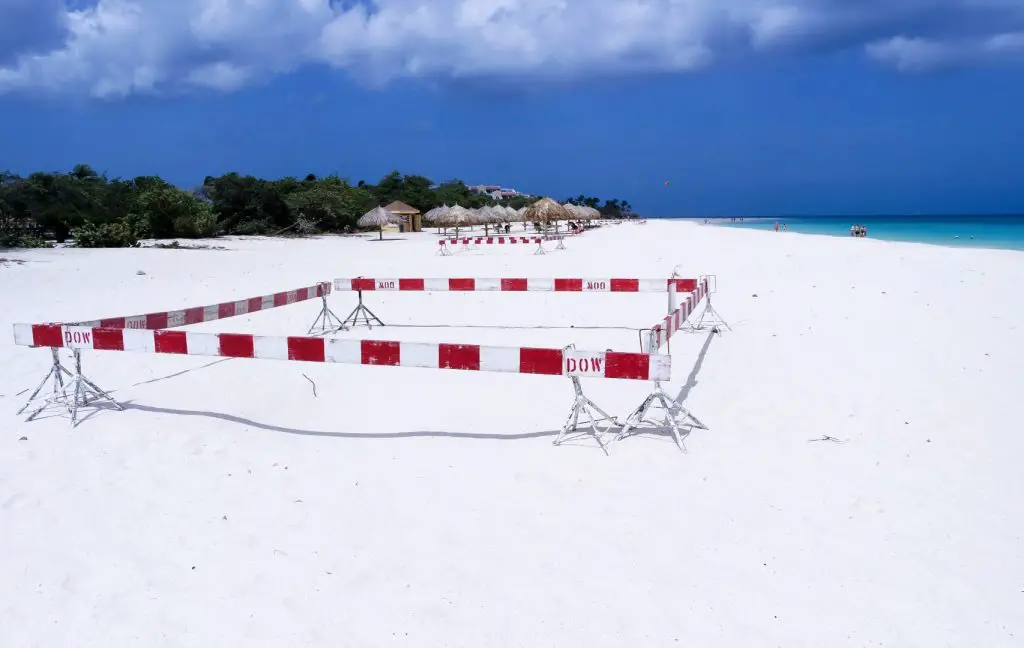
(168, 212)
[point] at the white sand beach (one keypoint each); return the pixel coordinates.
(228, 506)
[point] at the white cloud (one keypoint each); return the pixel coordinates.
(923, 54)
(119, 47)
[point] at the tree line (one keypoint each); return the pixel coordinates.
(92, 210)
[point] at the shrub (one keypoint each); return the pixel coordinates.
(200, 223)
(107, 235)
(251, 228)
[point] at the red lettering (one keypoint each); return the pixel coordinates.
(570, 365)
(584, 366)
(596, 364)
(78, 337)
(385, 285)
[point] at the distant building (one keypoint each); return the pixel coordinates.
(496, 192)
(410, 216)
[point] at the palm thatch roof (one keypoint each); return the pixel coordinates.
(399, 207)
(575, 210)
(377, 217)
(436, 215)
(546, 210)
(493, 214)
(457, 215)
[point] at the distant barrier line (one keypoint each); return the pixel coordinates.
(200, 314)
(513, 284)
(524, 360)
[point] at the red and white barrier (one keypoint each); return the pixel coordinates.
(200, 314)
(469, 357)
(509, 284)
(493, 240)
(150, 334)
(674, 321)
(446, 244)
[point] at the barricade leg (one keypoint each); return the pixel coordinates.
(360, 314)
(561, 243)
(326, 321)
(540, 248)
(675, 418)
(82, 390)
(594, 415)
(709, 317)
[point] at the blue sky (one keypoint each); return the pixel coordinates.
(745, 107)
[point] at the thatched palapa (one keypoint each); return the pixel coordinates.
(377, 217)
(546, 210)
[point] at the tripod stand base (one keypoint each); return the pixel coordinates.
(326, 321)
(595, 416)
(360, 315)
(675, 417)
(710, 318)
(77, 392)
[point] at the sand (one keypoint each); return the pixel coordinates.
(228, 506)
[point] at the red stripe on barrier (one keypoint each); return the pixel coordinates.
(363, 283)
(226, 310)
(633, 366)
(236, 345)
(514, 285)
(171, 342)
(624, 285)
(113, 322)
(462, 284)
(108, 339)
(281, 299)
(683, 285)
(410, 284)
(568, 285)
(378, 352)
(458, 356)
(156, 321)
(306, 349)
(540, 361)
(48, 335)
(255, 304)
(195, 315)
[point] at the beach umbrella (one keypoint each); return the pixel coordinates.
(436, 216)
(457, 216)
(377, 217)
(575, 210)
(491, 215)
(547, 210)
(511, 214)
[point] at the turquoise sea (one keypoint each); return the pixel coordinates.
(1003, 232)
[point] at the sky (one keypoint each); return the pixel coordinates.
(681, 107)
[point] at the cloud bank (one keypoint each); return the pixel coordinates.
(113, 48)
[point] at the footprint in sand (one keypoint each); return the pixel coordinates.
(19, 501)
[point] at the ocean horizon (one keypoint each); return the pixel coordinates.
(1005, 232)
